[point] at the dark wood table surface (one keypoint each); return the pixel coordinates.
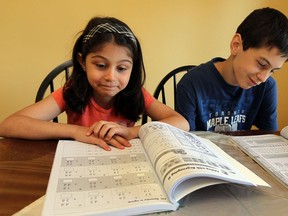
(25, 167)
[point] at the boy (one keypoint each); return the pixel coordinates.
(238, 92)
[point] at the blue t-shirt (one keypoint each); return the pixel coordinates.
(210, 104)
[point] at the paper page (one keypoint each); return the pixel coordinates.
(269, 151)
(177, 156)
(34, 209)
(86, 179)
(284, 132)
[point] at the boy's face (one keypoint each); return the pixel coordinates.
(254, 65)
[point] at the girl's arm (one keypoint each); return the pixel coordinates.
(160, 112)
(34, 122)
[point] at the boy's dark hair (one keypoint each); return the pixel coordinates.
(266, 27)
(77, 91)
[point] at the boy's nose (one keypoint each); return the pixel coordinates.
(263, 75)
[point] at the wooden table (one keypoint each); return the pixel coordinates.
(25, 167)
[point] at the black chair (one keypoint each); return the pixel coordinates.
(164, 84)
(49, 81)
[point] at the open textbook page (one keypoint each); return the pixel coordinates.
(270, 151)
(284, 132)
(87, 180)
(160, 168)
(185, 162)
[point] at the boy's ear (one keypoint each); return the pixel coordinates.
(81, 61)
(236, 44)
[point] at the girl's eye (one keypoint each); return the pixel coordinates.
(100, 66)
(121, 69)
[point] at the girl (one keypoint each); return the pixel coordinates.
(104, 96)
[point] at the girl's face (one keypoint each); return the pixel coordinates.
(108, 71)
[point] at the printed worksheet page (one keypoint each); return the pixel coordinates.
(284, 132)
(86, 179)
(177, 156)
(270, 151)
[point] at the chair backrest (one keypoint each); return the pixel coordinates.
(164, 85)
(49, 81)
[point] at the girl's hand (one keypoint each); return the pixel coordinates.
(107, 130)
(113, 133)
(117, 141)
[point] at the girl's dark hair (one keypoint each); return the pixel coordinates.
(266, 27)
(77, 91)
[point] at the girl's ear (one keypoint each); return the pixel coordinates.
(236, 44)
(81, 61)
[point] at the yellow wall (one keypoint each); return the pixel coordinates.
(38, 35)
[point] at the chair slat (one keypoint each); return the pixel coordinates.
(48, 81)
(160, 89)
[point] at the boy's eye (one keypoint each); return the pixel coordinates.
(262, 64)
(273, 71)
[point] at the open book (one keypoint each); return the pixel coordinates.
(284, 132)
(160, 168)
(269, 150)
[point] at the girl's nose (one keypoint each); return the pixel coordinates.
(110, 74)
